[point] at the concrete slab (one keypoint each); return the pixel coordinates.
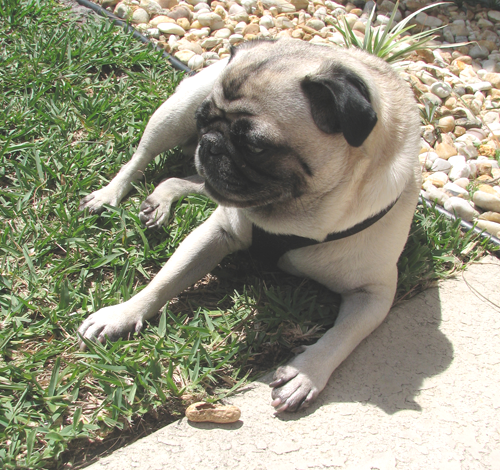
(422, 392)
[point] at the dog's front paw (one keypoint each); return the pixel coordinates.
(154, 212)
(294, 389)
(95, 201)
(113, 322)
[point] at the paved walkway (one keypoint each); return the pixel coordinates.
(422, 392)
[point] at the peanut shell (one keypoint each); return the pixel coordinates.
(207, 412)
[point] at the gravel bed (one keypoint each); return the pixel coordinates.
(457, 88)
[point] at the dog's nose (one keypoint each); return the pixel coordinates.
(214, 143)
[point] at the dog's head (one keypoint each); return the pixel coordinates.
(278, 115)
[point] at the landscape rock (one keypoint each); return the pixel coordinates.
(486, 188)
(152, 7)
(445, 150)
(140, 16)
(460, 207)
(486, 201)
(456, 190)
(462, 182)
(211, 20)
(447, 124)
(184, 56)
(494, 16)
(441, 165)
(434, 194)
(438, 179)
(196, 62)
(491, 216)
(282, 5)
(491, 227)
(123, 11)
(441, 89)
(171, 28)
(459, 171)
(161, 19)
(483, 168)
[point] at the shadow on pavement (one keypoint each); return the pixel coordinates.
(389, 367)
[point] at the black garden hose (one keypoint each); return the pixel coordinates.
(103, 12)
(464, 224)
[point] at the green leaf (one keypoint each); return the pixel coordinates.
(54, 378)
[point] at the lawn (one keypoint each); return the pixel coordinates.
(75, 100)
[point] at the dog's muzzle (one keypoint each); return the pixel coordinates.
(212, 144)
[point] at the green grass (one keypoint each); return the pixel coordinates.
(75, 100)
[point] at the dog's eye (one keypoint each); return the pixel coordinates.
(254, 150)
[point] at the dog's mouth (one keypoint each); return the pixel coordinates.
(233, 199)
(228, 185)
(239, 178)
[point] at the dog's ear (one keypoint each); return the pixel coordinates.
(340, 102)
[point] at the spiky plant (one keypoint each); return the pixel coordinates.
(389, 43)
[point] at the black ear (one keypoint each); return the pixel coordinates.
(340, 102)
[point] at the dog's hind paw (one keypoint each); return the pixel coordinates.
(292, 389)
(154, 214)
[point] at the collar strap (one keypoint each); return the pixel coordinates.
(269, 247)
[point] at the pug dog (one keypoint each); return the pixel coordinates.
(310, 152)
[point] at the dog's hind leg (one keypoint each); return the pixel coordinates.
(298, 383)
(171, 125)
(156, 208)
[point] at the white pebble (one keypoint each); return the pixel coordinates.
(461, 208)
(212, 20)
(140, 16)
(171, 28)
(235, 39)
(457, 160)
(223, 33)
(210, 56)
(201, 6)
(238, 29)
(486, 201)
(199, 33)
(435, 195)
(210, 42)
(265, 32)
(455, 189)
(459, 171)
(462, 182)
(184, 56)
(440, 164)
(123, 11)
(267, 21)
(467, 150)
(491, 117)
(441, 89)
(153, 33)
(196, 62)
(152, 7)
(480, 86)
(490, 227)
(440, 177)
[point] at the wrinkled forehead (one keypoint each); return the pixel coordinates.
(253, 83)
(243, 76)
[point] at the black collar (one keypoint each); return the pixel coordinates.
(270, 247)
